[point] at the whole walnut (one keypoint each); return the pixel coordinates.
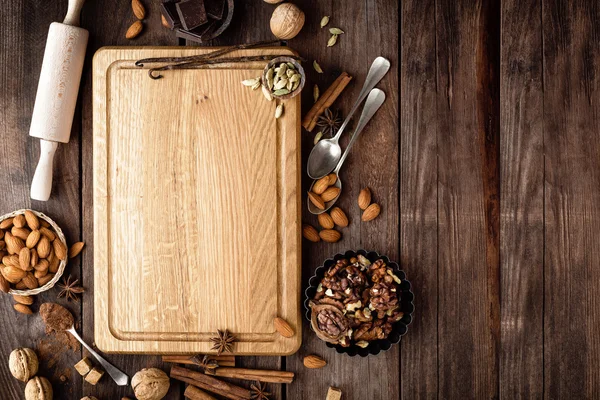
(38, 388)
(23, 363)
(150, 384)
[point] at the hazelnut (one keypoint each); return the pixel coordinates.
(150, 384)
(287, 21)
(23, 363)
(38, 388)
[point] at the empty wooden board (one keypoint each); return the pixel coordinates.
(196, 207)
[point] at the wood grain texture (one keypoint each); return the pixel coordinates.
(572, 194)
(522, 203)
(418, 196)
(468, 179)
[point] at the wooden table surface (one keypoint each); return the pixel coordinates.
(485, 159)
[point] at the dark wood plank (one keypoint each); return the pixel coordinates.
(522, 205)
(468, 179)
(107, 22)
(572, 194)
(22, 41)
(418, 196)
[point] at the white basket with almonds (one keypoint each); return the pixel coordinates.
(33, 252)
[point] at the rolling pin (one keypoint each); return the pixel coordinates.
(57, 94)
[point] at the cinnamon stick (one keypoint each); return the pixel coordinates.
(193, 393)
(261, 375)
(223, 360)
(210, 384)
(325, 101)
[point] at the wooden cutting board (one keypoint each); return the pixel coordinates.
(196, 207)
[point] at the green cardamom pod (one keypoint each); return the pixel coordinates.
(336, 31)
(332, 41)
(324, 21)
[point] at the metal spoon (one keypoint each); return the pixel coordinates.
(374, 101)
(325, 155)
(118, 376)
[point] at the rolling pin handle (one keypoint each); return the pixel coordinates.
(73, 12)
(41, 186)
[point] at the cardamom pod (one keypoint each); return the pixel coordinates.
(279, 111)
(324, 21)
(295, 85)
(270, 73)
(281, 83)
(251, 82)
(282, 69)
(291, 66)
(318, 137)
(281, 92)
(290, 73)
(267, 93)
(332, 41)
(289, 85)
(296, 77)
(316, 92)
(336, 31)
(317, 67)
(256, 85)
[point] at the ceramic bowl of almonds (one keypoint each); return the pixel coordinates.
(33, 252)
(283, 78)
(359, 303)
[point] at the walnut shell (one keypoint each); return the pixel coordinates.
(150, 384)
(23, 363)
(287, 21)
(38, 388)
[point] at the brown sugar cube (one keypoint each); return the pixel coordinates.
(334, 394)
(94, 376)
(84, 366)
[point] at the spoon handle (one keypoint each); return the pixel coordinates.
(118, 376)
(378, 69)
(374, 101)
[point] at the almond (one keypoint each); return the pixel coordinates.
(2, 243)
(164, 22)
(19, 221)
(310, 233)
(134, 30)
(316, 200)
(283, 327)
(48, 233)
(321, 184)
(60, 249)
(13, 274)
(43, 247)
(34, 257)
(330, 235)
(32, 220)
(314, 362)
(325, 221)
(364, 198)
(32, 240)
(30, 281)
(76, 249)
(11, 261)
(45, 279)
(339, 217)
(138, 9)
(371, 212)
(13, 244)
(54, 264)
(330, 194)
(332, 178)
(1, 233)
(20, 286)
(23, 309)
(42, 265)
(25, 259)
(41, 273)
(7, 223)
(27, 300)
(21, 233)
(4, 285)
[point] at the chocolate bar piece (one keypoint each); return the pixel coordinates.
(191, 13)
(169, 11)
(215, 8)
(197, 35)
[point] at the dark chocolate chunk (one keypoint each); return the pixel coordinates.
(169, 11)
(191, 13)
(198, 35)
(215, 8)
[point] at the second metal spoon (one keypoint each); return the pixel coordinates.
(374, 101)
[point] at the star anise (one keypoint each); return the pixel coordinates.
(259, 391)
(329, 122)
(209, 365)
(223, 342)
(69, 289)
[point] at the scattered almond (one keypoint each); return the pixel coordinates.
(32, 240)
(19, 221)
(283, 327)
(313, 361)
(32, 220)
(371, 212)
(330, 235)
(364, 198)
(27, 300)
(23, 309)
(330, 194)
(339, 217)
(60, 249)
(76, 249)
(134, 30)
(321, 185)
(316, 200)
(310, 233)
(325, 221)
(138, 9)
